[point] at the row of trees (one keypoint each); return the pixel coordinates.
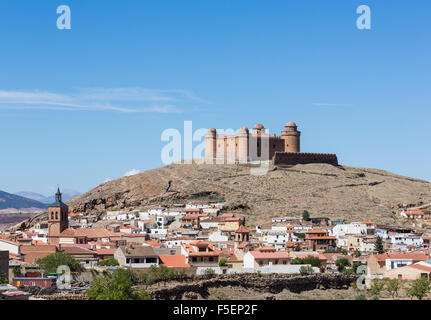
(419, 288)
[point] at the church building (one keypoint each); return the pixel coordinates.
(58, 219)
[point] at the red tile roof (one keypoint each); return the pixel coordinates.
(421, 267)
(269, 255)
(106, 251)
(242, 229)
(400, 256)
(174, 261)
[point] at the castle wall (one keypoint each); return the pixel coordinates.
(293, 158)
(244, 147)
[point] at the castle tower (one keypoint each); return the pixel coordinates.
(291, 137)
(259, 129)
(243, 137)
(210, 145)
(58, 220)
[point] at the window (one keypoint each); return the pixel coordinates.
(128, 260)
(151, 260)
(211, 259)
(56, 215)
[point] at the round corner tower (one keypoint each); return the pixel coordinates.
(291, 137)
(243, 137)
(211, 144)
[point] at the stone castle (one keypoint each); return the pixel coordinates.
(245, 147)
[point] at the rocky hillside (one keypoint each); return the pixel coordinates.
(324, 190)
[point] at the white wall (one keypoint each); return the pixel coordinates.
(217, 237)
(12, 248)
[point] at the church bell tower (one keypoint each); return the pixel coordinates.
(58, 220)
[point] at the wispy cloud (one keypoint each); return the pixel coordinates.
(125, 100)
(319, 104)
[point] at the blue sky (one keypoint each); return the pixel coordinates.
(82, 105)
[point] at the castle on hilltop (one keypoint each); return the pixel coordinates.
(245, 147)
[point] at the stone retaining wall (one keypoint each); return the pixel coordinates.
(273, 283)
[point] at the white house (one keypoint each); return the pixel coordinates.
(209, 223)
(159, 231)
(156, 211)
(382, 233)
(12, 247)
(144, 215)
(279, 238)
(351, 228)
(402, 240)
(217, 237)
(257, 259)
(176, 243)
(413, 214)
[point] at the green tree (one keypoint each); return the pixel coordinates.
(377, 286)
(160, 273)
(222, 262)
(50, 263)
(111, 262)
(306, 215)
(16, 271)
(300, 235)
(165, 273)
(393, 286)
(342, 263)
(3, 279)
(378, 246)
(297, 247)
(313, 261)
(356, 254)
(419, 288)
(116, 286)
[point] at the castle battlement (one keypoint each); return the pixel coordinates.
(245, 147)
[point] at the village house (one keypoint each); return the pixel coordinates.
(200, 253)
(136, 256)
(354, 228)
(192, 220)
(319, 240)
(265, 256)
(279, 238)
(87, 258)
(379, 264)
(11, 246)
(85, 235)
(105, 253)
(210, 222)
(174, 261)
(411, 272)
(32, 253)
(413, 214)
(402, 241)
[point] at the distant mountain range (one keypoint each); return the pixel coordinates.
(67, 194)
(13, 201)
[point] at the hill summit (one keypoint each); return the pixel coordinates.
(336, 192)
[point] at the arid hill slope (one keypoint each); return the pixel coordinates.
(324, 190)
